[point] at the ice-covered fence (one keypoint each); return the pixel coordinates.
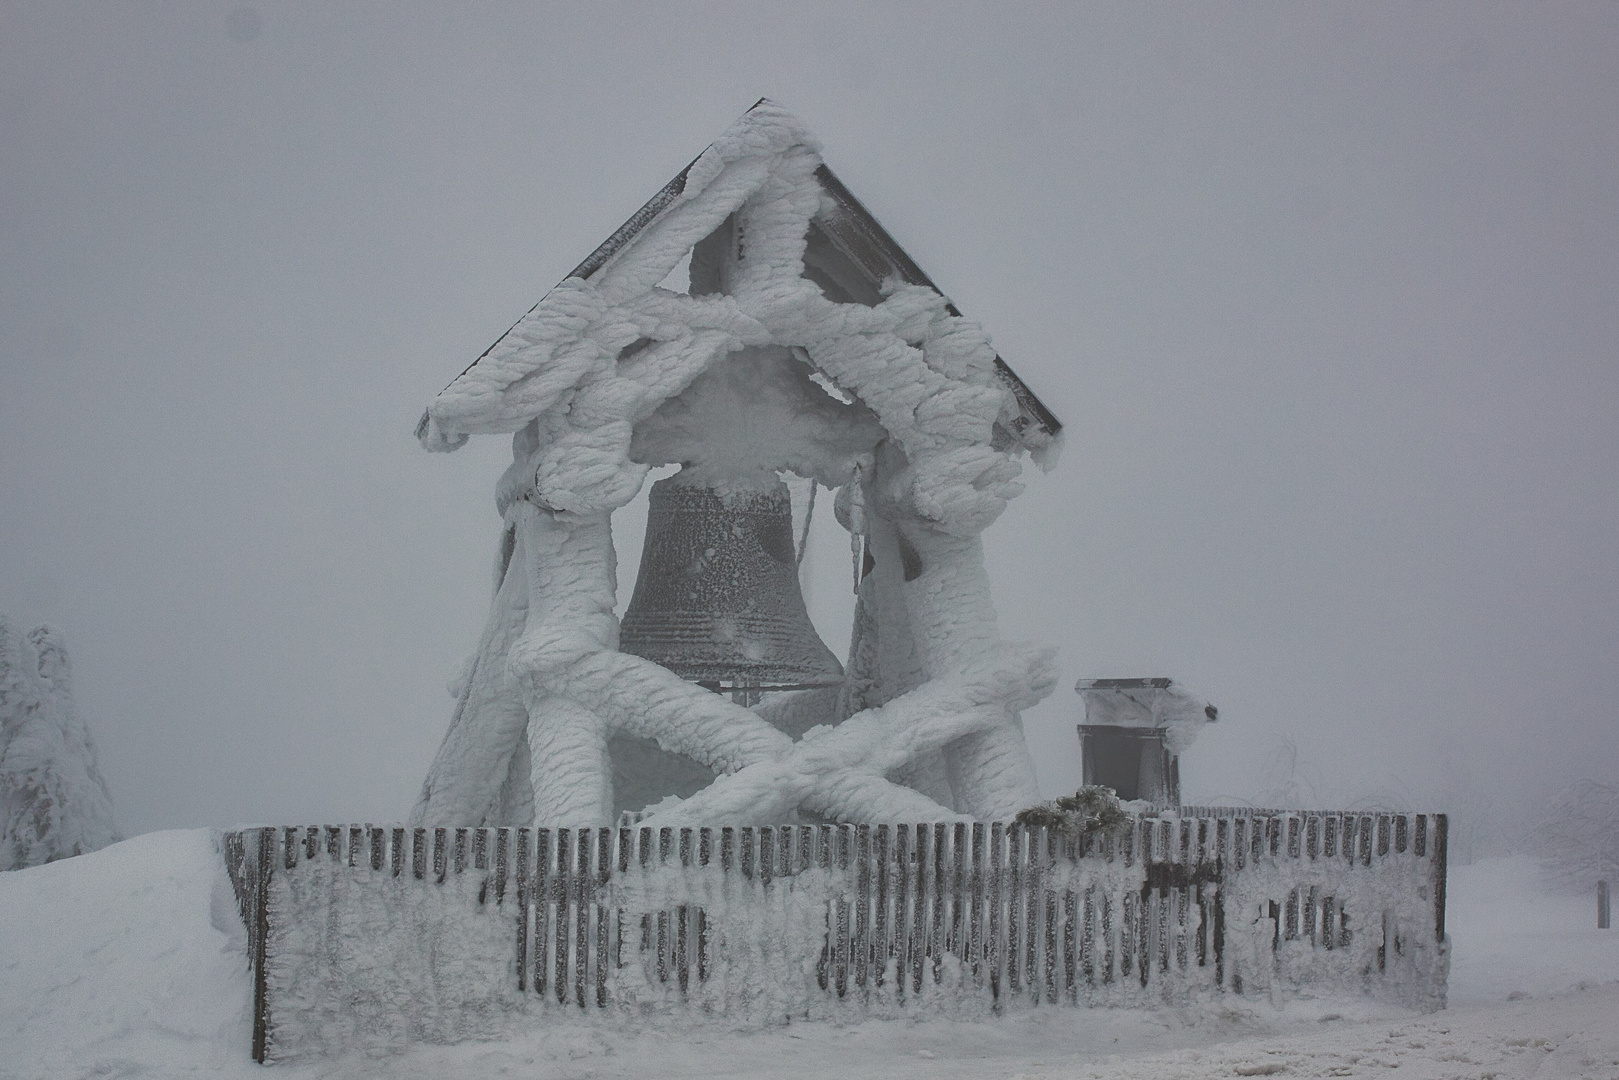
(379, 935)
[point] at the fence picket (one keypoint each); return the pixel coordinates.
(1033, 968)
(922, 839)
(1084, 902)
(542, 907)
(938, 901)
(994, 950)
(882, 924)
(604, 918)
(1015, 885)
(582, 902)
(522, 907)
(861, 942)
(682, 929)
(561, 892)
(902, 896)
(975, 914)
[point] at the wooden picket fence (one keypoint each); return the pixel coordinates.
(380, 935)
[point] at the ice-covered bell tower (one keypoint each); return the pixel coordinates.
(806, 343)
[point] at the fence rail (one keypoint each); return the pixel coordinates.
(362, 935)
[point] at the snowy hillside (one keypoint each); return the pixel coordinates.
(128, 963)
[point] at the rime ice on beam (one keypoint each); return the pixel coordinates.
(791, 279)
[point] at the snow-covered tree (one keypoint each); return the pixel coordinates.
(1578, 842)
(53, 801)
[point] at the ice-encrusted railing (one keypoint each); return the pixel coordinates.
(371, 935)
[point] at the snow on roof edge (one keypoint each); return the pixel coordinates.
(1036, 428)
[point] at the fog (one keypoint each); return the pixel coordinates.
(1324, 294)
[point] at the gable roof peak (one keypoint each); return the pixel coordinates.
(766, 149)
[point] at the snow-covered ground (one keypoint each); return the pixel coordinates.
(129, 963)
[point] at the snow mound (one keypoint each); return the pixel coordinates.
(129, 961)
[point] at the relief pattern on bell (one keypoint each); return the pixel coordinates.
(717, 598)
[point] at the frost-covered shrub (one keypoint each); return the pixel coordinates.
(1090, 811)
(53, 801)
(1578, 843)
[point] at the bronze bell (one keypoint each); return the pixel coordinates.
(717, 599)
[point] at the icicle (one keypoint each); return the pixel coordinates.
(854, 505)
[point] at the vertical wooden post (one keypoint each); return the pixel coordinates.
(260, 932)
(1072, 935)
(1604, 915)
(919, 921)
(957, 888)
(522, 908)
(1034, 885)
(1147, 915)
(975, 915)
(1160, 921)
(542, 906)
(1053, 916)
(841, 951)
(665, 949)
(1218, 929)
(995, 867)
(682, 929)
(1441, 837)
(1079, 913)
(705, 855)
(936, 936)
(582, 895)
(862, 908)
(902, 894)
(502, 863)
(1014, 907)
(560, 890)
(727, 859)
(882, 941)
(604, 918)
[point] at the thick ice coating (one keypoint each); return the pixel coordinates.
(779, 358)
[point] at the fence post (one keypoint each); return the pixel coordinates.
(1604, 919)
(1441, 836)
(261, 929)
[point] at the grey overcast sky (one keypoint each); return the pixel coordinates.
(1326, 295)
